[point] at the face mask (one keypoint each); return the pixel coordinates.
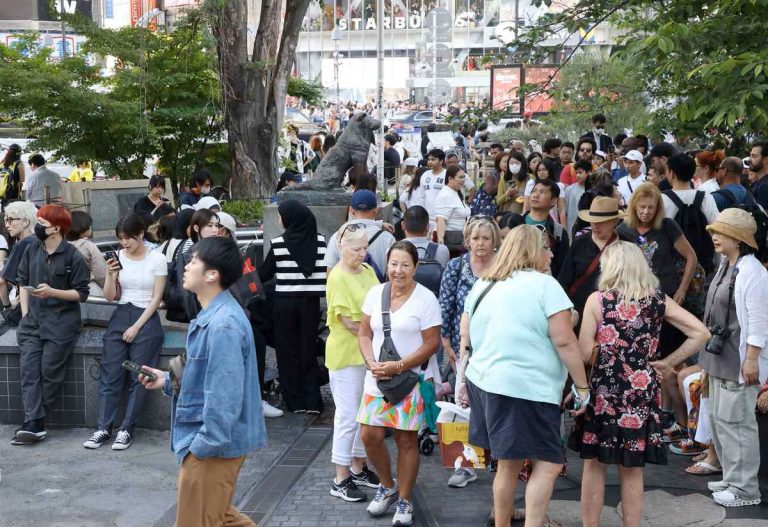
(515, 169)
(598, 131)
(205, 190)
(40, 232)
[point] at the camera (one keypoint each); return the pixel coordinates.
(716, 342)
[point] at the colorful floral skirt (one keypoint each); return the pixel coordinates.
(408, 414)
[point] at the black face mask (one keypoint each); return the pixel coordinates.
(40, 232)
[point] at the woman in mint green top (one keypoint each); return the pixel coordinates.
(523, 343)
(348, 283)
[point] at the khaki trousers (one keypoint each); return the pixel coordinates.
(206, 488)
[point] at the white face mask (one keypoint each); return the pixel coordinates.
(515, 169)
(205, 190)
(598, 131)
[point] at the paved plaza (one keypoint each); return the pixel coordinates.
(59, 483)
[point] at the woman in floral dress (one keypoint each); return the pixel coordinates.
(622, 424)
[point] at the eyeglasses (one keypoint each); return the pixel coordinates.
(585, 150)
(351, 227)
(10, 220)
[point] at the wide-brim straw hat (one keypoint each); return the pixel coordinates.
(736, 223)
(602, 209)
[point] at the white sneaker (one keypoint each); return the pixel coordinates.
(122, 441)
(384, 498)
(270, 411)
(403, 514)
(461, 477)
(727, 498)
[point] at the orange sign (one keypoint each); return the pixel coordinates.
(505, 80)
(539, 101)
(137, 9)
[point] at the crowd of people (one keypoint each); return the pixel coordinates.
(611, 278)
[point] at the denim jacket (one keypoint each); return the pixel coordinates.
(218, 410)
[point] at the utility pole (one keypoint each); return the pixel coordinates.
(380, 92)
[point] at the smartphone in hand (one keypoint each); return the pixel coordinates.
(135, 368)
(112, 255)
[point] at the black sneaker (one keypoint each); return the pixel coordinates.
(30, 432)
(347, 490)
(366, 478)
(98, 438)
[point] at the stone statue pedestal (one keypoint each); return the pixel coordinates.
(329, 219)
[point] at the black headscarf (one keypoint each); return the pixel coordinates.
(183, 219)
(300, 234)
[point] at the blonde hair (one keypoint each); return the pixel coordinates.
(623, 268)
(24, 210)
(646, 190)
(350, 236)
(482, 222)
(520, 250)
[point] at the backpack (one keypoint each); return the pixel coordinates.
(248, 287)
(759, 215)
(382, 276)
(429, 273)
(8, 182)
(693, 223)
(176, 299)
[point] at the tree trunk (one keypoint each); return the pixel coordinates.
(253, 92)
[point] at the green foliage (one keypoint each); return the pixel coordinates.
(311, 92)
(703, 64)
(590, 84)
(162, 100)
(245, 211)
(535, 133)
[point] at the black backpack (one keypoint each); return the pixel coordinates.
(758, 213)
(693, 223)
(429, 273)
(180, 304)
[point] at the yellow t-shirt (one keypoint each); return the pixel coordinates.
(81, 174)
(345, 293)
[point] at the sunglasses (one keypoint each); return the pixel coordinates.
(351, 227)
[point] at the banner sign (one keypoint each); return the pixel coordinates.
(505, 81)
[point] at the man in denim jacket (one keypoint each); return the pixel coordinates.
(217, 418)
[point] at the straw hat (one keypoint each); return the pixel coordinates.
(602, 209)
(736, 223)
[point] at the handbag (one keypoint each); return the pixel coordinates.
(454, 240)
(577, 432)
(397, 387)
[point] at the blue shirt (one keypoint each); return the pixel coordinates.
(218, 410)
(723, 202)
(760, 191)
(513, 354)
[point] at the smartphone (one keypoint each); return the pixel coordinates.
(135, 368)
(28, 287)
(112, 255)
(163, 198)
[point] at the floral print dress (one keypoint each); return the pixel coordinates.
(622, 422)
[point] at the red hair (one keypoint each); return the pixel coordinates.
(711, 160)
(58, 216)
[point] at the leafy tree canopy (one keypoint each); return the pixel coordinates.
(703, 64)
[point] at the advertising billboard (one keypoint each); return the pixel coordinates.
(505, 80)
(69, 7)
(539, 101)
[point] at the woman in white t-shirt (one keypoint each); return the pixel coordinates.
(136, 280)
(451, 212)
(415, 325)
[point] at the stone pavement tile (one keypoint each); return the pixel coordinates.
(660, 509)
(744, 523)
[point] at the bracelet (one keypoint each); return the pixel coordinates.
(399, 367)
(581, 387)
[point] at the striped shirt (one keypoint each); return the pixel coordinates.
(289, 280)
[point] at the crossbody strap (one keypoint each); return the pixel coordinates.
(386, 321)
(591, 269)
(474, 308)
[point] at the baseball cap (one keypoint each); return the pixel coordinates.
(228, 222)
(412, 162)
(600, 154)
(633, 155)
(363, 199)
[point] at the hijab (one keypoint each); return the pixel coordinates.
(300, 234)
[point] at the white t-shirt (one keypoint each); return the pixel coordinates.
(432, 185)
(627, 186)
(137, 278)
(420, 312)
(448, 205)
(709, 186)
(417, 197)
(708, 206)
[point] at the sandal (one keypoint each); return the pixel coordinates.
(702, 468)
(517, 516)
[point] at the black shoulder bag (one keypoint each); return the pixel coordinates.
(397, 387)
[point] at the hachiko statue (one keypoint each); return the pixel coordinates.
(350, 152)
